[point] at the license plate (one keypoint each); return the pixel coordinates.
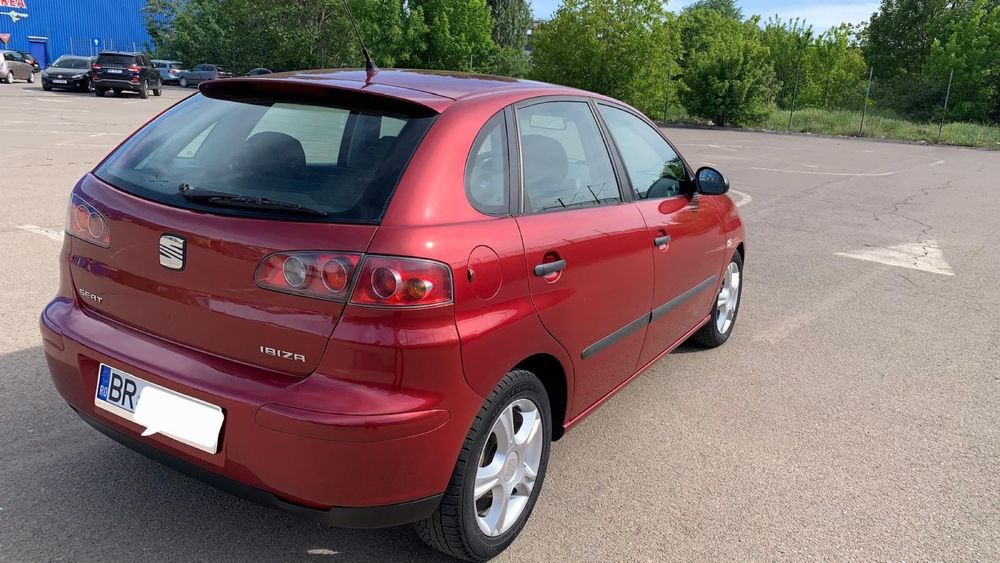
(59, 82)
(159, 410)
(115, 70)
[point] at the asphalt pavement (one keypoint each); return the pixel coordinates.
(853, 415)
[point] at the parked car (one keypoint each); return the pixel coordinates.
(170, 71)
(259, 72)
(68, 72)
(123, 71)
(203, 72)
(30, 59)
(14, 67)
(395, 294)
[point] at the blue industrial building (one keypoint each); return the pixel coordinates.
(50, 28)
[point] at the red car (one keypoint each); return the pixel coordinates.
(376, 300)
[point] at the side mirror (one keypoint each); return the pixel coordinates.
(710, 181)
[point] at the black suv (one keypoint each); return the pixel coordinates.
(125, 71)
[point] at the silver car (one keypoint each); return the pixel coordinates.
(14, 67)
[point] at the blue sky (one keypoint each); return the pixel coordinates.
(821, 15)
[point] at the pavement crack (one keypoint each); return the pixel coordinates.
(923, 235)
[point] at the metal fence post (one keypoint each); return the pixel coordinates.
(795, 92)
(947, 95)
(864, 108)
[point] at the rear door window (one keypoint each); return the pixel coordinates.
(116, 60)
(332, 159)
(564, 161)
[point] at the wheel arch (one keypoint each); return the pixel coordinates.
(549, 370)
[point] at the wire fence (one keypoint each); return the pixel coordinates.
(943, 107)
(91, 46)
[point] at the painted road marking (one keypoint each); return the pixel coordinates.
(743, 198)
(817, 172)
(47, 109)
(45, 232)
(936, 163)
(924, 256)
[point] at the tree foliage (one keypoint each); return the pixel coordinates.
(622, 48)
(825, 70)
(726, 8)
(728, 75)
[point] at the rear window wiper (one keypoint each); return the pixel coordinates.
(202, 195)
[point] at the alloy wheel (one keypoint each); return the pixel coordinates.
(728, 299)
(508, 467)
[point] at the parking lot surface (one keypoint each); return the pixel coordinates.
(854, 414)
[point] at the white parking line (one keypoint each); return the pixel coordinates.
(744, 198)
(820, 173)
(47, 109)
(936, 163)
(45, 232)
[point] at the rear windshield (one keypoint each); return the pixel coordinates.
(342, 161)
(106, 59)
(176, 65)
(71, 62)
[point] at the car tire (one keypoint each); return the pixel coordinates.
(88, 85)
(457, 526)
(117, 91)
(144, 90)
(46, 87)
(31, 78)
(158, 91)
(725, 308)
(9, 79)
(99, 92)
(183, 82)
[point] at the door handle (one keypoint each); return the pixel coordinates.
(542, 270)
(660, 241)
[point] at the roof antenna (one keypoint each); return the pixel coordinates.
(370, 69)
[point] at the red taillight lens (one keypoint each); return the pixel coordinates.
(323, 275)
(134, 68)
(402, 282)
(86, 223)
(96, 66)
(382, 280)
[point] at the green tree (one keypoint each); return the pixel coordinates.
(511, 21)
(622, 48)
(459, 33)
(159, 15)
(728, 75)
(818, 71)
(727, 8)
(972, 51)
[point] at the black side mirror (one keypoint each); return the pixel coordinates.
(710, 181)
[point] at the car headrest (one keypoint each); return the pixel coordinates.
(543, 157)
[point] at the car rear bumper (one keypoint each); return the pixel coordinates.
(108, 83)
(343, 516)
(374, 467)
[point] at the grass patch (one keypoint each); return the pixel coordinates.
(843, 122)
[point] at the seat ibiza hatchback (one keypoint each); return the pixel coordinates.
(376, 300)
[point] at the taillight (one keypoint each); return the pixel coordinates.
(323, 275)
(96, 66)
(384, 281)
(134, 68)
(402, 282)
(86, 223)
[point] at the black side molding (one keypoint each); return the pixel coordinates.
(615, 336)
(676, 301)
(644, 320)
(340, 516)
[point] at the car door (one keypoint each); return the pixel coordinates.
(684, 230)
(587, 250)
(21, 69)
